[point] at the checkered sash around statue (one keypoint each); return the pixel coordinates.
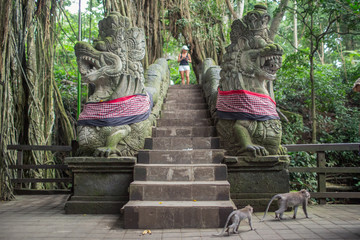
(245, 105)
(120, 111)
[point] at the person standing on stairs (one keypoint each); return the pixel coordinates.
(184, 59)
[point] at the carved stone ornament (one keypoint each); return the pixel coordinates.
(115, 120)
(248, 122)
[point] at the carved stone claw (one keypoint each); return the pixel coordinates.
(107, 152)
(282, 150)
(257, 150)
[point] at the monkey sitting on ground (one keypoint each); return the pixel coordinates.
(293, 199)
(236, 217)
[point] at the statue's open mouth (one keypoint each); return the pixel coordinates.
(270, 64)
(88, 65)
(94, 64)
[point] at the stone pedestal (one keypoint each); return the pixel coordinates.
(100, 185)
(255, 180)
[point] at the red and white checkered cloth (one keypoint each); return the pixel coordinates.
(121, 107)
(243, 101)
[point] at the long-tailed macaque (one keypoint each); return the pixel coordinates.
(293, 199)
(236, 217)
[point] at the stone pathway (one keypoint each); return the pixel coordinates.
(43, 217)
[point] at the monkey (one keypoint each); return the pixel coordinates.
(293, 199)
(236, 217)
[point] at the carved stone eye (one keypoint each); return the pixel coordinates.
(266, 19)
(253, 17)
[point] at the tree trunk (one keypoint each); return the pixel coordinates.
(312, 80)
(90, 18)
(277, 19)
(7, 104)
(233, 13)
(27, 103)
(339, 48)
(11, 106)
(240, 9)
(321, 51)
(295, 27)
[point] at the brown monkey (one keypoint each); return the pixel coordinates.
(236, 217)
(293, 199)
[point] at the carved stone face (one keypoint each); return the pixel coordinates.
(261, 63)
(113, 62)
(118, 50)
(251, 53)
(95, 65)
(269, 60)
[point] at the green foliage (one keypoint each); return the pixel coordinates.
(292, 130)
(65, 67)
(332, 97)
(174, 72)
(303, 180)
(292, 84)
(338, 112)
(337, 106)
(357, 184)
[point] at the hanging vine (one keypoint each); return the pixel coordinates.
(30, 100)
(202, 32)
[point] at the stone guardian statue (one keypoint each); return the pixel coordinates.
(118, 115)
(248, 123)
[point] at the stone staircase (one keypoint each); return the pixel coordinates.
(179, 182)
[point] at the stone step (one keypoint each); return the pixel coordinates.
(184, 106)
(191, 114)
(184, 122)
(186, 156)
(186, 87)
(184, 90)
(179, 190)
(176, 214)
(184, 94)
(180, 143)
(184, 131)
(186, 99)
(180, 172)
(178, 86)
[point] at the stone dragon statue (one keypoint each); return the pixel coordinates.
(250, 62)
(113, 66)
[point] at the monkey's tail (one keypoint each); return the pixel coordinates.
(267, 209)
(227, 222)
